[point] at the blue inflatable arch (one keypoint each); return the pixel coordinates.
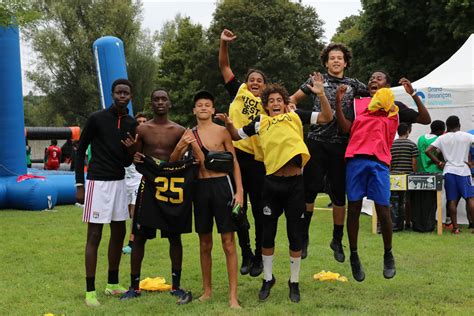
(53, 187)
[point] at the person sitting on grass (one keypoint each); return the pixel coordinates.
(368, 160)
(280, 131)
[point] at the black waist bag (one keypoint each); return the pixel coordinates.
(219, 161)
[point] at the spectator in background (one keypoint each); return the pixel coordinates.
(455, 146)
(75, 144)
(404, 153)
(471, 220)
(424, 163)
(52, 156)
(66, 150)
(28, 154)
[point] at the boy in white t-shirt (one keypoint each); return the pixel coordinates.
(455, 146)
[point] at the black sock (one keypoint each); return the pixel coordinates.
(176, 277)
(388, 252)
(113, 277)
(90, 284)
(130, 243)
(337, 232)
(135, 284)
(354, 252)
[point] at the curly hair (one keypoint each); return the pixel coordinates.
(335, 46)
(275, 88)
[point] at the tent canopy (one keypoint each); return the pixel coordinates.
(447, 90)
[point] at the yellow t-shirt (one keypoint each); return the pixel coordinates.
(281, 138)
(244, 109)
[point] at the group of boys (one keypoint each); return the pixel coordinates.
(159, 148)
(154, 146)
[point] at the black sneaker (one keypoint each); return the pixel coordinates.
(357, 270)
(266, 287)
(389, 270)
(304, 250)
(336, 246)
(257, 266)
(294, 291)
(131, 293)
(183, 296)
(246, 265)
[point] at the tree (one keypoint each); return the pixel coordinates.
(19, 12)
(348, 30)
(409, 38)
(63, 41)
(282, 38)
(38, 112)
(182, 66)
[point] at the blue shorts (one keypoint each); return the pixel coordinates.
(457, 187)
(370, 178)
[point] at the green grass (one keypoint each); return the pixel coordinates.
(42, 271)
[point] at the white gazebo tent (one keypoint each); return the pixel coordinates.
(447, 90)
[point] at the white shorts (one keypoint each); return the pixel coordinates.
(132, 190)
(105, 201)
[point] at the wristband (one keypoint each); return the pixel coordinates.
(79, 185)
(413, 94)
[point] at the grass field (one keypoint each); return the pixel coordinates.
(42, 271)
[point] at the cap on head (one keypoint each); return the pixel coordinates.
(203, 94)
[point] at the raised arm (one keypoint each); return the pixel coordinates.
(234, 133)
(316, 86)
(423, 114)
(343, 123)
(224, 63)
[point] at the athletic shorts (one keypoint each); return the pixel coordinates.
(213, 198)
(327, 161)
(367, 178)
(150, 232)
(105, 202)
(132, 191)
(457, 187)
(283, 194)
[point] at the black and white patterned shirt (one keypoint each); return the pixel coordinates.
(330, 132)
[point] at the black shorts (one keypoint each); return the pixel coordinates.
(213, 198)
(327, 160)
(283, 194)
(150, 232)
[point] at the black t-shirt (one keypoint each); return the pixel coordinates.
(233, 87)
(329, 132)
(406, 114)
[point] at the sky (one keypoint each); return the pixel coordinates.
(157, 12)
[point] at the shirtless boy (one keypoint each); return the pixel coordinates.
(158, 138)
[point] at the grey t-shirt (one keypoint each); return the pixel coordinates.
(330, 132)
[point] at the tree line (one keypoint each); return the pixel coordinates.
(282, 38)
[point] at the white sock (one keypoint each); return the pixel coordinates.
(295, 264)
(267, 267)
